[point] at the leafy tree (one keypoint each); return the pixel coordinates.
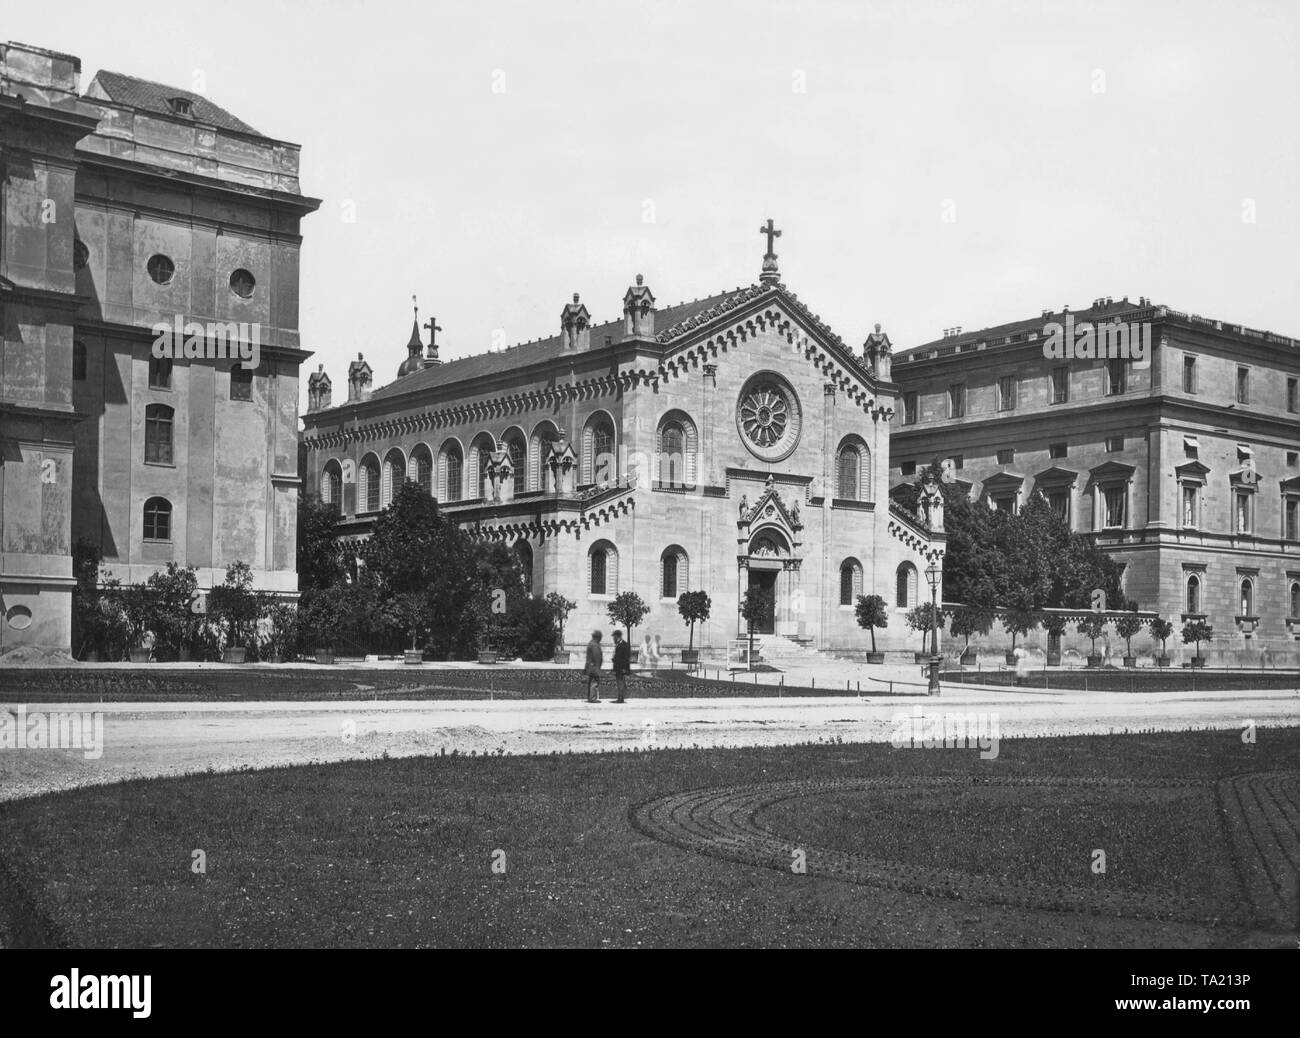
(532, 633)
(1126, 627)
(969, 621)
(327, 615)
(560, 608)
(1054, 624)
(694, 607)
(285, 630)
(169, 593)
(871, 613)
(629, 610)
(922, 618)
(1197, 631)
(754, 607)
(1161, 629)
(1091, 629)
(237, 606)
(1018, 623)
(320, 560)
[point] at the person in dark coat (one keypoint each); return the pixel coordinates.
(622, 665)
(595, 659)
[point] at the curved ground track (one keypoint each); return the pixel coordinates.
(1261, 814)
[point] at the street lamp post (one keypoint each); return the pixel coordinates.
(933, 574)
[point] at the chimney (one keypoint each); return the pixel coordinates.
(359, 376)
(575, 325)
(639, 311)
(319, 389)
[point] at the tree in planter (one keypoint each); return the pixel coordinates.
(1054, 624)
(1197, 631)
(236, 607)
(871, 613)
(1126, 627)
(283, 642)
(756, 606)
(694, 607)
(969, 621)
(560, 608)
(629, 610)
(1091, 629)
(921, 618)
(325, 614)
(1018, 622)
(409, 612)
(137, 611)
(1161, 629)
(169, 594)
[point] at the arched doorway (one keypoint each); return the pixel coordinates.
(767, 560)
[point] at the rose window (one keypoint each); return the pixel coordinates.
(768, 416)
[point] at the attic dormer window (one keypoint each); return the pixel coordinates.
(180, 105)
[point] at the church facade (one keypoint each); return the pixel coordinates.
(730, 444)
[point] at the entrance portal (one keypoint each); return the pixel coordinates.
(765, 580)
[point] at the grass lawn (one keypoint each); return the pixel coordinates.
(400, 852)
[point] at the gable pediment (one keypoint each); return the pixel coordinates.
(1192, 470)
(1112, 470)
(1055, 476)
(1003, 481)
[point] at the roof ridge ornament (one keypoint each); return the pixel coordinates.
(770, 274)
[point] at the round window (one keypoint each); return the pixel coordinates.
(161, 269)
(768, 416)
(242, 283)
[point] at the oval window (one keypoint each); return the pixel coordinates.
(19, 618)
(242, 283)
(161, 269)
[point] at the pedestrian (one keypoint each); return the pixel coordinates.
(595, 658)
(622, 665)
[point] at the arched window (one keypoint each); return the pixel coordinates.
(421, 469)
(331, 486)
(599, 461)
(158, 434)
(525, 552)
(157, 519)
(850, 581)
(480, 454)
(677, 445)
(905, 586)
(602, 569)
(673, 572)
(1193, 594)
(538, 473)
(368, 484)
(848, 472)
(1247, 598)
(1295, 600)
(78, 361)
(853, 470)
(241, 382)
(393, 474)
(518, 461)
(451, 481)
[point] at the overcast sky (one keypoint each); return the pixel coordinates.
(930, 164)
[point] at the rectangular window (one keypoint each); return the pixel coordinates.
(1115, 500)
(1116, 376)
(1114, 444)
(1189, 375)
(1057, 450)
(1293, 395)
(160, 372)
(1292, 526)
(1005, 503)
(1007, 393)
(1060, 503)
(958, 461)
(909, 408)
(907, 468)
(957, 400)
(1189, 507)
(1191, 446)
(1061, 385)
(1243, 385)
(1006, 456)
(1241, 512)
(158, 434)
(1292, 459)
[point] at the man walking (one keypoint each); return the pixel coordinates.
(622, 664)
(595, 659)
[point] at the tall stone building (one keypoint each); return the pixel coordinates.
(131, 205)
(725, 444)
(1184, 465)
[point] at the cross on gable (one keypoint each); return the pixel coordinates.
(771, 233)
(434, 328)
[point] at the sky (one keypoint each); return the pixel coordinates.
(930, 164)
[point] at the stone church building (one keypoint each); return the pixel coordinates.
(729, 443)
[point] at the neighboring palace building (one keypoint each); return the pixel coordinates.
(730, 443)
(131, 204)
(1185, 467)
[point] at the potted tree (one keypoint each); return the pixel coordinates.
(561, 607)
(410, 612)
(1091, 629)
(1054, 624)
(1016, 622)
(1197, 631)
(921, 619)
(136, 607)
(237, 606)
(966, 622)
(1126, 627)
(871, 613)
(694, 608)
(169, 593)
(755, 606)
(283, 641)
(327, 611)
(1161, 629)
(629, 610)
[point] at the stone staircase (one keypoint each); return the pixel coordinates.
(777, 649)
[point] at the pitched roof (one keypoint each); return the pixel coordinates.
(468, 368)
(153, 97)
(1031, 324)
